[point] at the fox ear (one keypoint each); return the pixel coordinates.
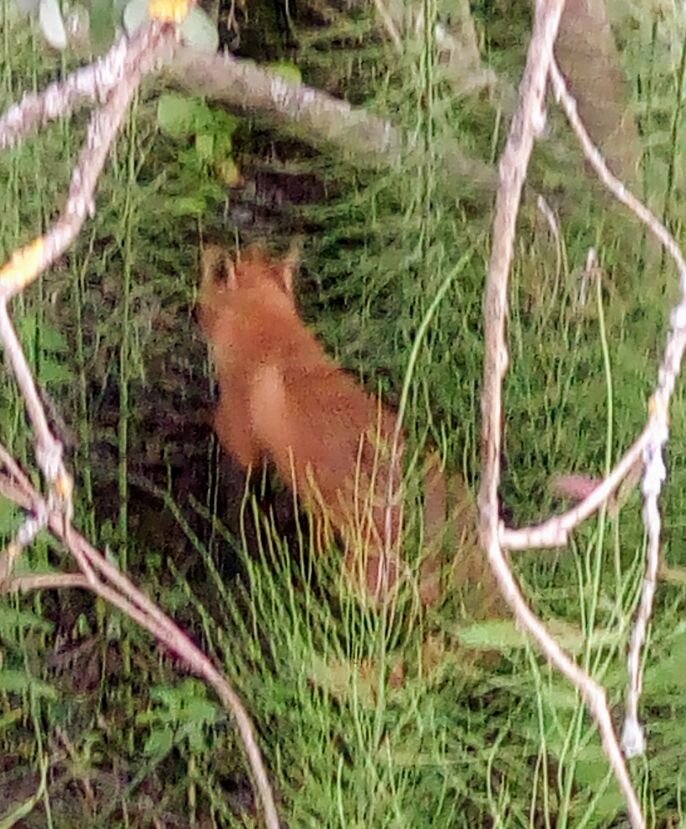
(217, 268)
(230, 272)
(291, 263)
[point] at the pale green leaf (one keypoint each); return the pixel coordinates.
(198, 30)
(135, 15)
(670, 671)
(102, 23)
(55, 374)
(52, 339)
(52, 24)
(188, 206)
(9, 517)
(503, 635)
(229, 173)
(159, 742)
(204, 145)
(178, 115)
(200, 710)
(18, 682)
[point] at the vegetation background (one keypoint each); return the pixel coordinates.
(477, 732)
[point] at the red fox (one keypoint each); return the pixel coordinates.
(282, 399)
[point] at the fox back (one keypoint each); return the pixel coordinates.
(284, 400)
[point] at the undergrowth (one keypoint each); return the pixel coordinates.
(415, 720)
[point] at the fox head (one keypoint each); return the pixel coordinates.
(253, 269)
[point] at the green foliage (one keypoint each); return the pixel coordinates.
(18, 682)
(96, 22)
(105, 16)
(12, 620)
(504, 635)
(208, 163)
(180, 715)
(9, 515)
(181, 116)
(40, 338)
(458, 742)
(288, 71)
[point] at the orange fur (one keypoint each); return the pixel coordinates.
(283, 399)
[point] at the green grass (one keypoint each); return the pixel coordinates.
(125, 736)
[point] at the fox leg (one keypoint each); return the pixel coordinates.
(236, 435)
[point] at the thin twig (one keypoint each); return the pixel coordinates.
(128, 63)
(153, 620)
(33, 524)
(131, 58)
(527, 122)
(14, 469)
(28, 531)
(137, 606)
(556, 530)
(116, 79)
(28, 263)
(613, 184)
(46, 581)
(48, 448)
(657, 429)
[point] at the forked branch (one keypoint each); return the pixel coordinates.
(89, 84)
(657, 430)
(527, 122)
(115, 79)
(106, 581)
(555, 531)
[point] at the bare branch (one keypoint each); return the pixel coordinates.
(91, 83)
(48, 449)
(33, 524)
(14, 470)
(657, 430)
(25, 265)
(104, 579)
(133, 57)
(369, 140)
(28, 263)
(45, 581)
(555, 531)
(527, 122)
(97, 573)
(28, 531)
(613, 184)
